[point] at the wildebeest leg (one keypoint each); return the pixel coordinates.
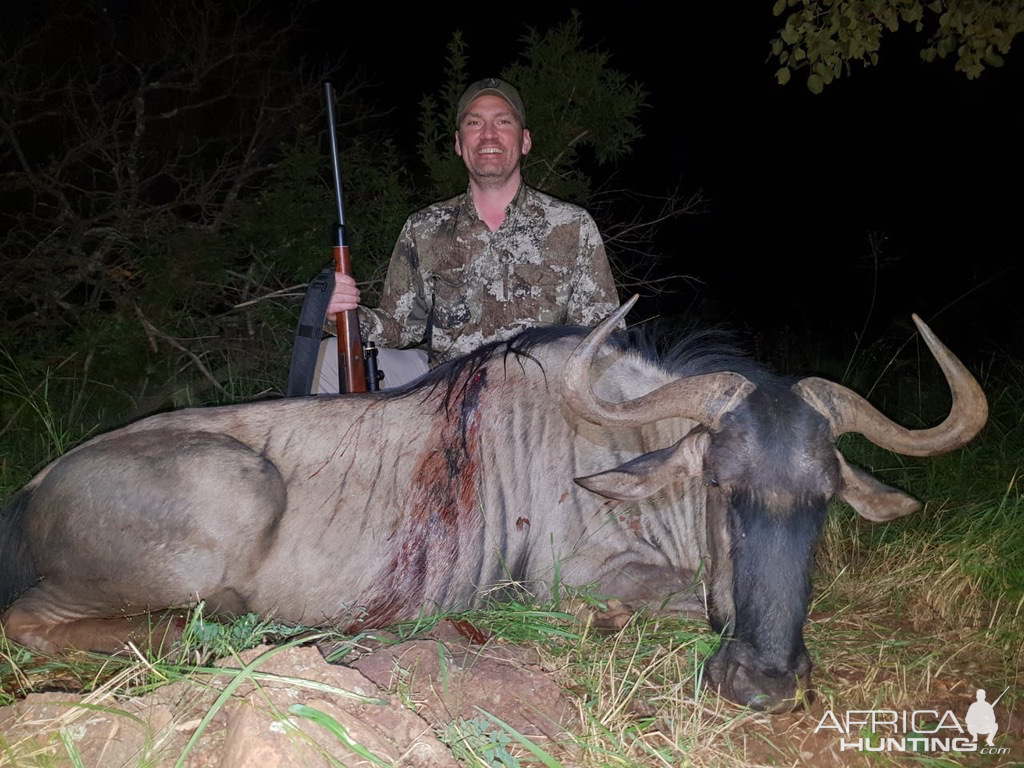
(47, 621)
(660, 587)
(613, 617)
(164, 529)
(152, 633)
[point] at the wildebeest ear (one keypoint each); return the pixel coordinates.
(647, 474)
(873, 500)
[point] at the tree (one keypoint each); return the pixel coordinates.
(584, 118)
(826, 37)
(582, 112)
(165, 192)
(162, 187)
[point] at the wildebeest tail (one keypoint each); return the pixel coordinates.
(17, 572)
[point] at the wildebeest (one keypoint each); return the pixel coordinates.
(702, 479)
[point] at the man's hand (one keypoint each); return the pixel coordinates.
(345, 296)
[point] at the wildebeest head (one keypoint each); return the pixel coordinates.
(767, 458)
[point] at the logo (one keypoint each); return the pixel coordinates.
(981, 717)
(921, 730)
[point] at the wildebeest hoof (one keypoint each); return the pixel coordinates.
(612, 618)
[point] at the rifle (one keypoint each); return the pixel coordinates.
(352, 361)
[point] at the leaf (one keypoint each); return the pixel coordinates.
(912, 13)
(523, 741)
(782, 75)
(815, 84)
(336, 729)
(69, 745)
(239, 676)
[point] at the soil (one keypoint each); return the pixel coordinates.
(400, 698)
(423, 702)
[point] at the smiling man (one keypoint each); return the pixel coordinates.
(485, 264)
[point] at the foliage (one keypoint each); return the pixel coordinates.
(289, 222)
(825, 37)
(583, 116)
(167, 191)
(480, 742)
(165, 197)
(581, 112)
(205, 639)
(445, 172)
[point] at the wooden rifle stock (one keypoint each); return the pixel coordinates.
(351, 361)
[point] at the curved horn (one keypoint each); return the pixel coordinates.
(701, 398)
(847, 411)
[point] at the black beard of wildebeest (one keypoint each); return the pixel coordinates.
(560, 454)
(774, 514)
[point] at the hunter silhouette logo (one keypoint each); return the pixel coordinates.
(920, 730)
(981, 717)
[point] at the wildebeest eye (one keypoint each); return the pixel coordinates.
(713, 482)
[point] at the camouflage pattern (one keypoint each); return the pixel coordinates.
(546, 264)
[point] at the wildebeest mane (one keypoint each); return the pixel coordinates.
(455, 374)
(692, 352)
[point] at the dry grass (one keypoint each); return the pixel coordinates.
(910, 616)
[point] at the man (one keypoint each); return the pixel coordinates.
(981, 719)
(485, 264)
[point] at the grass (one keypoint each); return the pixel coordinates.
(638, 693)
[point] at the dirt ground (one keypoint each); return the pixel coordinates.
(423, 702)
(293, 708)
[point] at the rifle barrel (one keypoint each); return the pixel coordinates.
(329, 92)
(351, 363)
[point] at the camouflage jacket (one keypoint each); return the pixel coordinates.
(545, 264)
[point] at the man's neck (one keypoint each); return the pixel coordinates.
(492, 201)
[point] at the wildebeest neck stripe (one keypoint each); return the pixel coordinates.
(444, 511)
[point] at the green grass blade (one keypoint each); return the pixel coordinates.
(524, 742)
(336, 729)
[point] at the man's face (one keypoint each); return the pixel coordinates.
(491, 140)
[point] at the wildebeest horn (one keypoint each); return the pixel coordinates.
(847, 411)
(701, 398)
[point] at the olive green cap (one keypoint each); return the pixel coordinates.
(498, 88)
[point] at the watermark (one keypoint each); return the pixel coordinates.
(920, 730)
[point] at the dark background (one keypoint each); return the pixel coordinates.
(911, 154)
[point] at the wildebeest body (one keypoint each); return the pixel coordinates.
(622, 472)
(295, 509)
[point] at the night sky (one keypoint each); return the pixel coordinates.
(796, 184)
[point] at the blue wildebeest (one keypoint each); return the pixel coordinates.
(658, 482)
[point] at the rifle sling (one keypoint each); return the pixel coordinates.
(309, 333)
(428, 334)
